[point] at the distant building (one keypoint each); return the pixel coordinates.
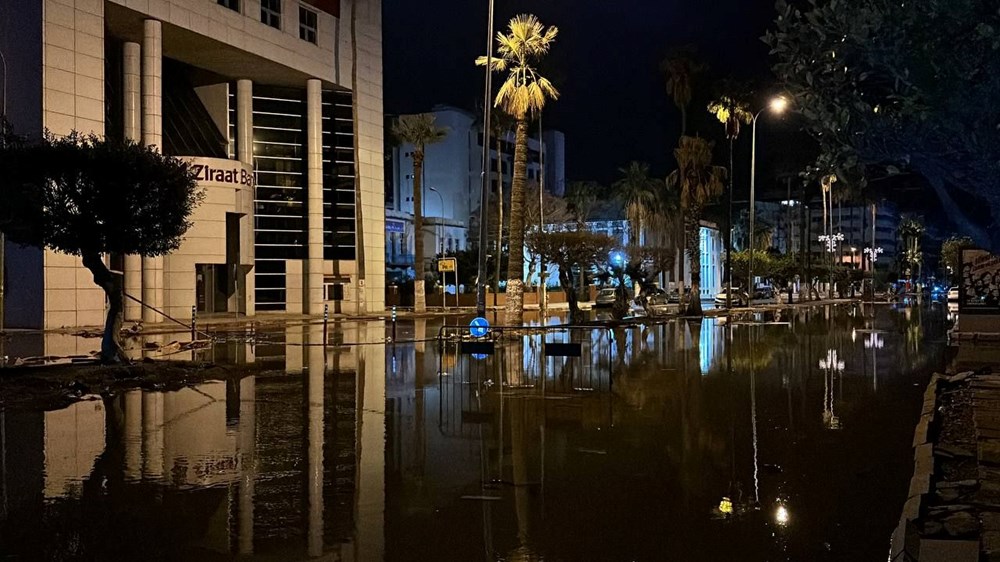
(451, 185)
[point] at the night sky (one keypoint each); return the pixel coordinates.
(614, 107)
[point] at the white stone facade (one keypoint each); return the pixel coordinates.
(57, 82)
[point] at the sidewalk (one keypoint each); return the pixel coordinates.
(953, 509)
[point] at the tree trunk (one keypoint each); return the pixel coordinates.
(515, 260)
(359, 231)
(419, 294)
(694, 255)
(111, 348)
(566, 278)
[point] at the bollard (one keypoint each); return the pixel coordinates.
(194, 320)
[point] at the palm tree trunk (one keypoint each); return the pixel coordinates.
(496, 280)
(515, 261)
(111, 348)
(694, 255)
(419, 295)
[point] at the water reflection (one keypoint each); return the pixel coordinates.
(697, 440)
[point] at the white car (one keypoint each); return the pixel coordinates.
(739, 298)
(953, 294)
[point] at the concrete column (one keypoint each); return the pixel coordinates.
(244, 196)
(152, 134)
(313, 281)
(316, 354)
(131, 117)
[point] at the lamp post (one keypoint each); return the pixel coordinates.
(778, 106)
(483, 190)
(3, 238)
(439, 240)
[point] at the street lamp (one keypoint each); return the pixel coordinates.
(441, 201)
(3, 239)
(484, 187)
(777, 106)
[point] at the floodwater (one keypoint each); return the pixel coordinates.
(772, 439)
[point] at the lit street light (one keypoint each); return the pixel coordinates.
(777, 106)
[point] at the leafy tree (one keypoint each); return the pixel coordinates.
(572, 250)
(699, 184)
(418, 131)
(889, 87)
(89, 196)
(523, 94)
(951, 255)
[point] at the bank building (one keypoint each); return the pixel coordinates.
(258, 95)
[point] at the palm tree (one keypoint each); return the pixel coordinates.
(500, 124)
(731, 113)
(640, 193)
(521, 95)
(910, 231)
(699, 183)
(681, 67)
(418, 131)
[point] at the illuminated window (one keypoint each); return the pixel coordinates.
(270, 13)
(307, 25)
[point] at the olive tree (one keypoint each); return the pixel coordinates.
(90, 196)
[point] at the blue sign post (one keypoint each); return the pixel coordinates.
(479, 327)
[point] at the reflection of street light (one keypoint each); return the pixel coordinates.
(781, 516)
(777, 106)
(831, 365)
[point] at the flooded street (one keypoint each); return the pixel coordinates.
(781, 438)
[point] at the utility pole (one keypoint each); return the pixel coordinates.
(484, 187)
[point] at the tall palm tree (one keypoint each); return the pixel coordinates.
(681, 67)
(910, 231)
(418, 131)
(731, 112)
(640, 193)
(699, 183)
(500, 124)
(522, 95)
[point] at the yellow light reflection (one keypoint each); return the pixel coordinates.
(781, 516)
(726, 506)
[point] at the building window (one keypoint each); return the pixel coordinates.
(307, 25)
(270, 13)
(231, 4)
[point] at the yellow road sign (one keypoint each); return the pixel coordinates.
(447, 265)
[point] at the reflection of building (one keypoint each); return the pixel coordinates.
(452, 182)
(279, 466)
(251, 93)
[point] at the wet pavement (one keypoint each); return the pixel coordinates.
(769, 439)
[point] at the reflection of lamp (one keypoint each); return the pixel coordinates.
(726, 506)
(781, 515)
(831, 365)
(874, 341)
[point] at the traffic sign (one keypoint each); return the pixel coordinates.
(479, 327)
(447, 265)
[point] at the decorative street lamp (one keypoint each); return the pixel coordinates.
(832, 240)
(873, 254)
(777, 106)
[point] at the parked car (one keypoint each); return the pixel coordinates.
(606, 297)
(953, 294)
(674, 296)
(739, 298)
(658, 305)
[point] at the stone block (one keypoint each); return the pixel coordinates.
(932, 550)
(989, 451)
